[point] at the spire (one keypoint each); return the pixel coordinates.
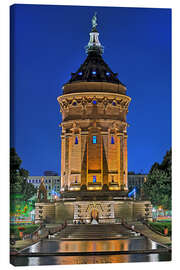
(94, 45)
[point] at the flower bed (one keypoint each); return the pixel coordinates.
(160, 226)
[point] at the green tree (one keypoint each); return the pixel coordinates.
(18, 177)
(157, 188)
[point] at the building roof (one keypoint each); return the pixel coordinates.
(94, 68)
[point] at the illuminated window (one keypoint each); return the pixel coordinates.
(107, 73)
(94, 139)
(112, 140)
(94, 179)
(80, 73)
(94, 72)
(76, 140)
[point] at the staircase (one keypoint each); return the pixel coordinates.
(93, 232)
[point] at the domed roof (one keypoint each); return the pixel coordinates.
(94, 68)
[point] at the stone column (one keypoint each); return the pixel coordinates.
(69, 158)
(105, 145)
(101, 160)
(62, 161)
(125, 173)
(84, 135)
(121, 160)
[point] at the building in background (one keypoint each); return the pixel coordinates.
(136, 181)
(50, 173)
(52, 184)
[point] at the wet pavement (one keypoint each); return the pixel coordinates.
(125, 244)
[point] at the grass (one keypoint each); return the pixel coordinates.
(28, 229)
(159, 226)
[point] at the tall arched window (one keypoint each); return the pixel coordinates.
(112, 140)
(94, 139)
(76, 140)
(94, 179)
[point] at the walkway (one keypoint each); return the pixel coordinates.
(143, 229)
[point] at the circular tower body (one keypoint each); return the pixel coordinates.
(94, 106)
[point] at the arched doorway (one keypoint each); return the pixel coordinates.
(94, 215)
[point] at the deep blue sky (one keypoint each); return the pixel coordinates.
(49, 44)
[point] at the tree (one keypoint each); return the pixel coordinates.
(18, 177)
(131, 173)
(157, 188)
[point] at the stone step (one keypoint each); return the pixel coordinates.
(85, 231)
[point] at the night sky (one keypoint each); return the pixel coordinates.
(49, 44)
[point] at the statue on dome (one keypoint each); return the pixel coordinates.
(94, 21)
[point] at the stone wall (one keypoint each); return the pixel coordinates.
(64, 211)
(108, 211)
(44, 211)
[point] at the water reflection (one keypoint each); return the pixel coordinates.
(104, 245)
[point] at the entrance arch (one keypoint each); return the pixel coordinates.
(94, 215)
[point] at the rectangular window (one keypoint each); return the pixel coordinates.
(94, 139)
(94, 179)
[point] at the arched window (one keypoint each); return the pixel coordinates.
(76, 140)
(94, 102)
(94, 139)
(94, 179)
(112, 140)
